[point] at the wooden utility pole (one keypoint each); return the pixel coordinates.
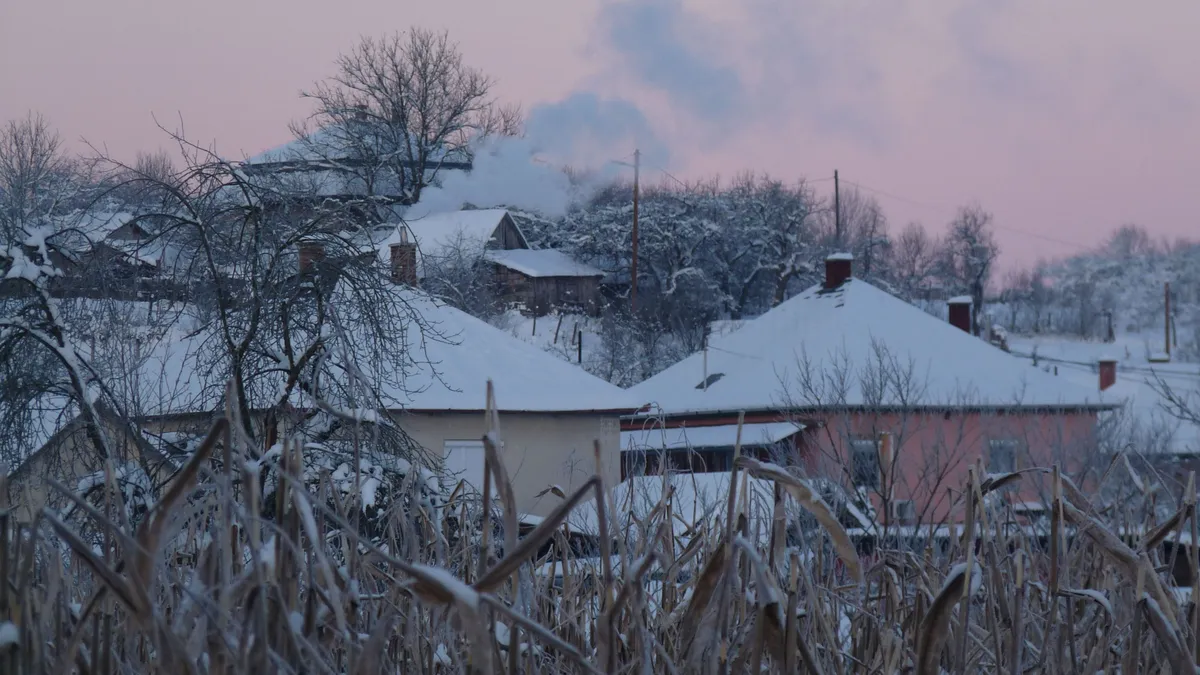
(1167, 317)
(837, 212)
(633, 274)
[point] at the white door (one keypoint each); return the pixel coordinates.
(464, 461)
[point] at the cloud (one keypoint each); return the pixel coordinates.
(984, 65)
(773, 63)
(676, 51)
(587, 130)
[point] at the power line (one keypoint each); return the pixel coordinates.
(1129, 368)
(1014, 230)
(896, 197)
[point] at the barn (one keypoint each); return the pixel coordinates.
(537, 280)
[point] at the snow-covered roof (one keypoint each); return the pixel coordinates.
(526, 378)
(840, 342)
(542, 263)
(961, 300)
(438, 229)
(1153, 427)
(840, 256)
(332, 162)
(98, 224)
(438, 234)
(331, 142)
(696, 500)
(447, 369)
(297, 149)
(699, 500)
(719, 436)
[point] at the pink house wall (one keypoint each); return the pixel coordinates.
(933, 451)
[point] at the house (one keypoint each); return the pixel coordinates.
(882, 397)
(1148, 423)
(551, 412)
(352, 160)
(104, 253)
(545, 279)
(539, 280)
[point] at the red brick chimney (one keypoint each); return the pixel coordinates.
(311, 253)
(404, 263)
(404, 260)
(960, 312)
(1108, 373)
(838, 268)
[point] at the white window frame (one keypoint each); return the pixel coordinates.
(1012, 445)
(857, 447)
(909, 505)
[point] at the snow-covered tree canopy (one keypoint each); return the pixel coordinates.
(277, 295)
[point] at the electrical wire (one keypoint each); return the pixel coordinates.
(1074, 244)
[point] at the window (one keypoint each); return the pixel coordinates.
(1002, 455)
(464, 461)
(903, 511)
(864, 462)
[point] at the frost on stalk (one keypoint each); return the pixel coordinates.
(9, 635)
(442, 657)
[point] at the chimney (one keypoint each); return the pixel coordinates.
(1108, 373)
(404, 260)
(960, 312)
(838, 268)
(311, 253)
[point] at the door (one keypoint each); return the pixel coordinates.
(464, 461)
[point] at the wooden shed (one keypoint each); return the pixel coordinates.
(546, 279)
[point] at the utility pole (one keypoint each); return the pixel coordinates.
(837, 212)
(633, 275)
(1167, 317)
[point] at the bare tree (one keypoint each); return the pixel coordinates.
(36, 176)
(914, 257)
(460, 274)
(864, 225)
(47, 374)
(1130, 241)
(400, 109)
(970, 250)
(287, 317)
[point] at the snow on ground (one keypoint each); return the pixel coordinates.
(1138, 379)
(554, 333)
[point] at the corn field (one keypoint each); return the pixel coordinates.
(303, 590)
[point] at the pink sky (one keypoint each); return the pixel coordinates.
(1063, 118)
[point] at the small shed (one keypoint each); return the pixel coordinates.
(545, 279)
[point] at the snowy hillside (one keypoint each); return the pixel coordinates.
(1073, 295)
(1149, 416)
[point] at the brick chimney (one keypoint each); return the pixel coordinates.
(838, 268)
(404, 260)
(1108, 373)
(960, 312)
(311, 253)
(404, 264)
